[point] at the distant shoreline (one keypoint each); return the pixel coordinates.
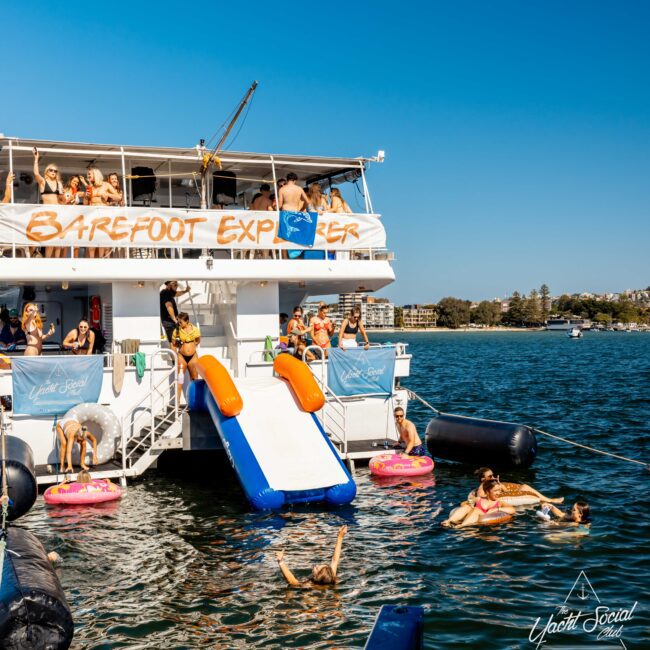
(401, 330)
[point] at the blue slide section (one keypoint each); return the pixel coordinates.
(249, 468)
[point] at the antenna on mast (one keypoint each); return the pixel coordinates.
(211, 158)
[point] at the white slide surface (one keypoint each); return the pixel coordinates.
(289, 446)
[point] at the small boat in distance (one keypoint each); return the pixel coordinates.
(574, 333)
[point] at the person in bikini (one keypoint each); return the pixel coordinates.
(486, 474)
(51, 190)
(69, 431)
(185, 339)
(291, 197)
(408, 435)
(297, 343)
(80, 340)
(99, 193)
(485, 505)
(296, 322)
(32, 325)
(322, 575)
(114, 182)
(338, 203)
(321, 328)
(350, 327)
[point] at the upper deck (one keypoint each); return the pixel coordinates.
(165, 223)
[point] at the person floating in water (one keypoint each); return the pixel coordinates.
(321, 574)
(507, 489)
(488, 504)
(408, 435)
(579, 515)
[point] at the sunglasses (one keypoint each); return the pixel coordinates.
(399, 417)
(52, 170)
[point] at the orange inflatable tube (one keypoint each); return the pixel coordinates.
(5, 362)
(304, 386)
(221, 386)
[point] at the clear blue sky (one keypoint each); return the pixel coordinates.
(516, 133)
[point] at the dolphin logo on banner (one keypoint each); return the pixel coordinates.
(298, 227)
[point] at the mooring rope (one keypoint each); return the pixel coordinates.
(413, 394)
(598, 451)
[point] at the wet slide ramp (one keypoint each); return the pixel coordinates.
(278, 449)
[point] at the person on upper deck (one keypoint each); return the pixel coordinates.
(292, 197)
(298, 345)
(73, 194)
(12, 333)
(262, 201)
(32, 325)
(350, 327)
(317, 200)
(338, 203)
(321, 327)
(98, 193)
(114, 182)
(168, 306)
(274, 199)
(11, 177)
(80, 340)
(51, 191)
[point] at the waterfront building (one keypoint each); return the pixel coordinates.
(375, 312)
(419, 316)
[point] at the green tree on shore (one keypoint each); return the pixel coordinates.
(399, 317)
(532, 309)
(487, 312)
(515, 313)
(545, 301)
(453, 312)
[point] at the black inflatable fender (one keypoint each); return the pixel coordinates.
(34, 613)
(21, 479)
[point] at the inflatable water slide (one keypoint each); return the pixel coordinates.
(269, 429)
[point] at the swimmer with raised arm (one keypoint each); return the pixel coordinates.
(322, 575)
(579, 515)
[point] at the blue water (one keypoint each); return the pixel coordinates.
(182, 563)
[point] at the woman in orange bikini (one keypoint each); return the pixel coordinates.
(296, 322)
(33, 328)
(321, 328)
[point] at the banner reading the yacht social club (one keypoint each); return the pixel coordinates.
(355, 371)
(52, 385)
(52, 225)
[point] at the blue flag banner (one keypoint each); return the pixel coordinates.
(298, 227)
(52, 385)
(355, 371)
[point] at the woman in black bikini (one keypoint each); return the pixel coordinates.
(185, 339)
(51, 189)
(80, 340)
(350, 327)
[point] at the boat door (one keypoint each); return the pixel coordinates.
(52, 312)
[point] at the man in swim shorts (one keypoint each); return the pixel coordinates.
(408, 435)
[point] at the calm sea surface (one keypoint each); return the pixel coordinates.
(181, 562)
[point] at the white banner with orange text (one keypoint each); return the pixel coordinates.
(53, 225)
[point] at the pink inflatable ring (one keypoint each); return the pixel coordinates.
(77, 494)
(399, 465)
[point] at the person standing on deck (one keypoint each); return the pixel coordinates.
(169, 308)
(291, 197)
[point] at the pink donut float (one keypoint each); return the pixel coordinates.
(398, 465)
(77, 494)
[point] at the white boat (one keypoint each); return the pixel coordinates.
(574, 333)
(240, 275)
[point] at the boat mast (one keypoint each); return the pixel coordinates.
(211, 158)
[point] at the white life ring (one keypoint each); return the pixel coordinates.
(110, 429)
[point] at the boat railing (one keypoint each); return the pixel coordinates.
(156, 404)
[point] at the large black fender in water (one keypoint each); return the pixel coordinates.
(481, 442)
(33, 609)
(21, 480)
